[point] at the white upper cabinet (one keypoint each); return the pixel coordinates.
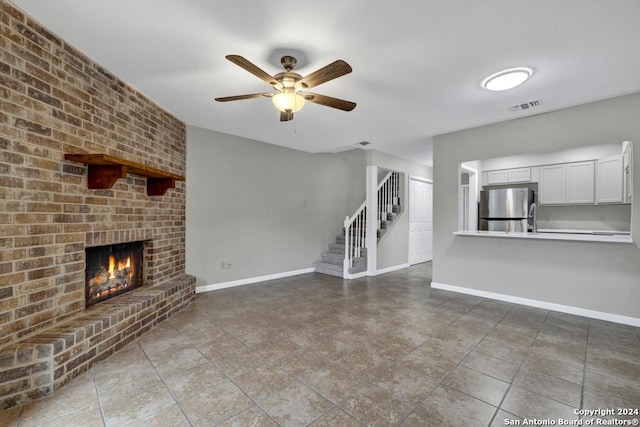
(568, 183)
(580, 183)
(552, 187)
(596, 175)
(497, 177)
(610, 181)
(519, 175)
(506, 176)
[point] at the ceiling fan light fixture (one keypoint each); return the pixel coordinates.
(288, 101)
(507, 79)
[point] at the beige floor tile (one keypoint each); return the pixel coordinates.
(252, 417)
(375, 406)
(332, 381)
(363, 326)
(365, 364)
(176, 358)
(447, 350)
(216, 404)
(86, 417)
(185, 383)
(72, 399)
(135, 403)
(302, 361)
(492, 366)
(171, 416)
(295, 405)
(234, 363)
(477, 384)
(421, 418)
(503, 418)
(331, 348)
(336, 417)
(431, 366)
(457, 408)
(264, 381)
(276, 348)
(129, 358)
(626, 388)
(546, 385)
(556, 365)
(527, 404)
(594, 399)
(405, 383)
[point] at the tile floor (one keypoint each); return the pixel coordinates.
(383, 351)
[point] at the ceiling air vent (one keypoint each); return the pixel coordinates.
(526, 105)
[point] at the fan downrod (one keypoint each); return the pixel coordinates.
(288, 62)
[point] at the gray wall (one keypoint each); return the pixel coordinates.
(387, 161)
(264, 208)
(595, 276)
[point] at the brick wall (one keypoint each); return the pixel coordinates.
(55, 100)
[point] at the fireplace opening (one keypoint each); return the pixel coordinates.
(112, 270)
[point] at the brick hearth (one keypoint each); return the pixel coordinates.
(55, 100)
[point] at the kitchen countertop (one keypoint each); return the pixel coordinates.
(574, 235)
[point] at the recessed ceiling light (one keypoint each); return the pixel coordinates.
(507, 79)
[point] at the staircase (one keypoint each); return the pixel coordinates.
(332, 261)
(347, 256)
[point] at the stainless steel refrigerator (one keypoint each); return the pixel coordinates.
(505, 209)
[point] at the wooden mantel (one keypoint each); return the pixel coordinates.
(105, 170)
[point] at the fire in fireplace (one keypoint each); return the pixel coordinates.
(112, 270)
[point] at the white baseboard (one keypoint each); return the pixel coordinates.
(250, 280)
(357, 275)
(609, 317)
(390, 269)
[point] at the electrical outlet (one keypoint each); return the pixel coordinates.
(601, 218)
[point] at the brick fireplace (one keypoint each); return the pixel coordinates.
(56, 101)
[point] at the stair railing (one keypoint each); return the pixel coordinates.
(356, 225)
(388, 195)
(354, 237)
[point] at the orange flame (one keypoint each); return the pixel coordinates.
(112, 266)
(121, 265)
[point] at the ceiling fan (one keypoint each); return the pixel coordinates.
(290, 94)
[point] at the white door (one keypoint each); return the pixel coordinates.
(420, 221)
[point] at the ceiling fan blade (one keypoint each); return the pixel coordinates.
(239, 97)
(285, 116)
(334, 70)
(328, 101)
(253, 69)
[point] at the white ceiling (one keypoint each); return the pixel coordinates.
(416, 64)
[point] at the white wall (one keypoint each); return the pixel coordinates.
(602, 277)
(263, 208)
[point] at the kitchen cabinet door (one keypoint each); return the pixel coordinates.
(497, 177)
(552, 187)
(610, 182)
(627, 173)
(580, 183)
(519, 175)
